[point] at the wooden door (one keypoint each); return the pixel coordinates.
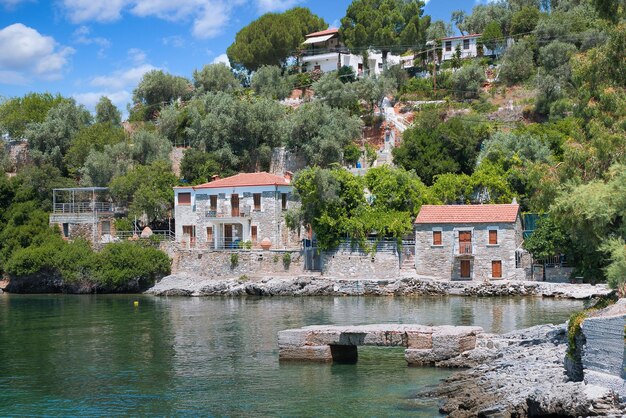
(191, 231)
(465, 269)
(496, 269)
(209, 236)
(465, 242)
(228, 236)
(234, 201)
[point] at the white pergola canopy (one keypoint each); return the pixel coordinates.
(318, 39)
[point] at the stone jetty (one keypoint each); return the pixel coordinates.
(425, 345)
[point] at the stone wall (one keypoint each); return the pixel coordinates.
(440, 260)
(219, 264)
(603, 358)
(358, 264)
(82, 226)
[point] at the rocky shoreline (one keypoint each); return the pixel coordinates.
(521, 374)
(190, 285)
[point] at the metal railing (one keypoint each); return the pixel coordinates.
(244, 212)
(464, 248)
(83, 207)
(157, 235)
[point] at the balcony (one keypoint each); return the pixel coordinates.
(82, 207)
(227, 213)
(464, 249)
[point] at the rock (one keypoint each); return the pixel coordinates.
(147, 232)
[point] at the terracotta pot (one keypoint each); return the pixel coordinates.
(266, 244)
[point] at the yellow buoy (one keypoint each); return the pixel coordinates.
(136, 303)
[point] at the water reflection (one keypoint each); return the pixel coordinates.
(98, 355)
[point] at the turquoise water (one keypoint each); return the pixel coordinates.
(66, 355)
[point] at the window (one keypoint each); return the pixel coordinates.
(466, 43)
(284, 200)
(234, 205)
(317, 68)
(213, 199)
(465, 269)
(190, 231)
(254, 232)
(66, 230)
(209, 234)
(496, 269)
(436, 237)
(106, 228)
(493, 237)
(184, 199)
(448, 46)
(257, 201)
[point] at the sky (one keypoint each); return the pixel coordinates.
(89, 48)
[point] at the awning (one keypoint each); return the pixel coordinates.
(318, 39)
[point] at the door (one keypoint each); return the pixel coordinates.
(191, 231)
(234, 201)
(465, 242)
(209, 236)
(465, 269)
(228, 236)
(496, 269)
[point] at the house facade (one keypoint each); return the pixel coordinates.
(236, 212)
(83, 212)
(469, 242)
(469, 45)
(324, 51)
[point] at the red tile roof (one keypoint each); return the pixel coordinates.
(246, 179)
(474, 35)
(329, 31)
(468, 214)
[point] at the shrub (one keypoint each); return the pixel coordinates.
(351, 154)
(234, 260)
(468, 81)
(517, 64)
(286, 260)
(121, 265)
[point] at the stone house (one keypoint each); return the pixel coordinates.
(469, 242)
(325, 51)
(84, 212)
(236, 212)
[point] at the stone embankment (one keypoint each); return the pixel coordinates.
(521, 374)
(189, 285)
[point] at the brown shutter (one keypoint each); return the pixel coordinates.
(493, 236)
(436, 237)
(213, 202)
(184, 198)
(254, 233)
(465, 269)
(496, 269)
(257, 201)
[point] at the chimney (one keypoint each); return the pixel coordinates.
(215, 177)
(288, 176)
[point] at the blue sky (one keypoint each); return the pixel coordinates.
(89, 48)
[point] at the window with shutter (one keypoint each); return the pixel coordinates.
(493, 236)
(184, 199)
(436, 237)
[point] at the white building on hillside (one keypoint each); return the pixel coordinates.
(325, 52)
(469, 44)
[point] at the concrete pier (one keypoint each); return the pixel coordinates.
(425, 345)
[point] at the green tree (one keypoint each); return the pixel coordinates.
(351, 154)
(273, 38)
(458, 18)
(616, 270)
(148, 147)
(268, 82)
(155, 90)
(17, 113)
(214, 78)
(146, 190)
(332, 91)
(492, 37)
(107, 112)
(198, 167)
(372, 90)
(517, 63)
(102, 166)
(439, 29)
(483, 14)
(48, 141)
(397, 189)
(389, 25)
(525, 20)
(548, 240)
(468, 81)
(318, 133)
(94, 137)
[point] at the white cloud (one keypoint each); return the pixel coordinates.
(12, 4)
(121, 79)
(98, 10)
(208, 17)
(25, 53)
(176, 41)
(137, 56)
(222, 58)
(265, 6)
(81, 36)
